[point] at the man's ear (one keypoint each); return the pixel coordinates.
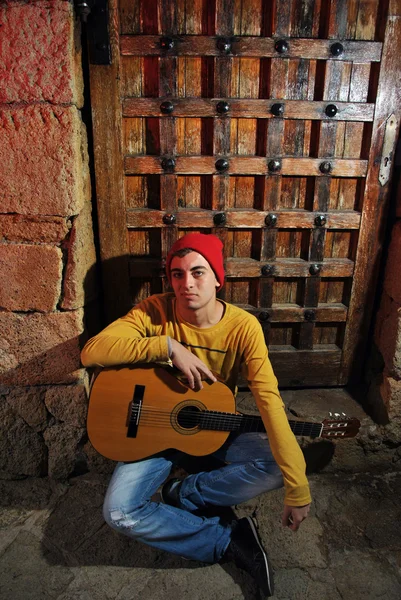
(217, 283)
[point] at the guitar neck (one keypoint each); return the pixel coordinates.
(219, 421)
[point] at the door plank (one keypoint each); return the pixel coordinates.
(311, 49)
(246, 165)
(223, 73)
(251, 107)
(244, 219)
(168, 87)
(106, 117)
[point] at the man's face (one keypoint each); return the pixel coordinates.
(194, 282)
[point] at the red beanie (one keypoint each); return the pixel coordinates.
(211, 248)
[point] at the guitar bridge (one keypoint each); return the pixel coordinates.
(135, 411)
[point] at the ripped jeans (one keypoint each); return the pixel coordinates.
(128, 508)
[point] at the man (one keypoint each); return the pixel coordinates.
(205, 338)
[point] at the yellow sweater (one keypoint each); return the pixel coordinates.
(235, 344)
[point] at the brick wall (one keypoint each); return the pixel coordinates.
(46, 240)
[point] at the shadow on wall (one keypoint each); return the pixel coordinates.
(119, 287)
(43, 399)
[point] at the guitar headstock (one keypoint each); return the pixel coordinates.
(340, 426)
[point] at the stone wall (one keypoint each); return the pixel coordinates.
(388, 320)
(46, 240)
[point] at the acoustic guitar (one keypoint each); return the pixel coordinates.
(135, 412)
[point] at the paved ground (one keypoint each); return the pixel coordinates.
(55, 545)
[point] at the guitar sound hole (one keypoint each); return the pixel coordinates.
(189, 417)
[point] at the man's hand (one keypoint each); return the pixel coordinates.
(190, 365)
(294, 515)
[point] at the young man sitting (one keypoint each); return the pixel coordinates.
(205, 338)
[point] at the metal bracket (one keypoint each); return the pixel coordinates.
(388, 149)
(95, 15)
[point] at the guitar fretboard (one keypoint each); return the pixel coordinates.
(220, 421)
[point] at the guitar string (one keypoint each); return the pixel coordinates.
(222, 426)
(215, 414)
(228, 420)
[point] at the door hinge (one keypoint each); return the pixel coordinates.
(388, 151)
(95, 15)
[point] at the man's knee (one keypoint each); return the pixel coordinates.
(271, 472)
(120, 520)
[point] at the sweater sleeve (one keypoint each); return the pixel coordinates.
(128, 340)
(285, 448)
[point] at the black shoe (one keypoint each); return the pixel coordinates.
(225, 513)
(170, 492)
(248, 554)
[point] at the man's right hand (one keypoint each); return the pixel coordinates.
(190, 365)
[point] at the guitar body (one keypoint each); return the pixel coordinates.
(167, 413)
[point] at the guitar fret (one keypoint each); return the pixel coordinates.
(220, 421)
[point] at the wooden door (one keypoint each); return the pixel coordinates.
(272, 125)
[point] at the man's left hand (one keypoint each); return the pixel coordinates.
(294, 515)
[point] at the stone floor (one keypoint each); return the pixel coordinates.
(54, 544)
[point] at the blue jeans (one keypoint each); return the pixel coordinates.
(128, 508)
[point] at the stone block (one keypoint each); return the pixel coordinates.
(390, 392)
(28, 493)
(43, 161)
(96, 462)
(39, 348)
(28, 403)
(26, 228)
(30, 277)
(361, 575)
(31, 570)
(40, 55)
(22, 450)
(388, 335)
(80, 274)
(392, 281)
(62, 441)
(67, 403)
